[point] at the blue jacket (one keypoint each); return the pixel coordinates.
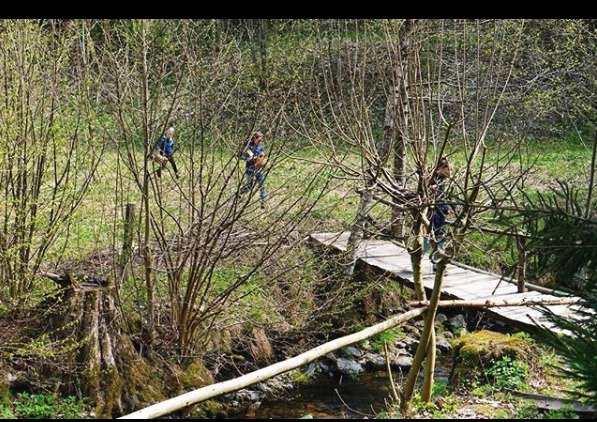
(256, 150)
(166, 146)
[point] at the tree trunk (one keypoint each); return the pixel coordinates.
(428, 379)
(400, 176)
(425, 340)
(358, 229)
(591, 178)
(90, 357)
(397, 121)
(127, 240)
(416, 255)
(145, 189)
(522, 258)
(416, 252)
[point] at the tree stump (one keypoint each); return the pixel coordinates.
(113, 373)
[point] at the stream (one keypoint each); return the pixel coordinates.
(338, 397)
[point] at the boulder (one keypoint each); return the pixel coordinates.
(349, 367)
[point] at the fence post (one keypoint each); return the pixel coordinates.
(522, 257)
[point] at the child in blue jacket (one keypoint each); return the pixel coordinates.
(251, 154)
(165, 146)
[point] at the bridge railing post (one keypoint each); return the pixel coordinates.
(522, 257)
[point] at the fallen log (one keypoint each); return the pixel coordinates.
(205, 393)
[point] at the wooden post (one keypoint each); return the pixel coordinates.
(522, 257)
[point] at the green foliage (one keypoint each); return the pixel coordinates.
(6, 412)
(490, 344)
(223, 277)
(45, 406)
(475, 352)
(523, 335)
(565, 412)
(486, 251)
(449, 405)
(418, 405)
(563, 232)
(549, 360)
(299, 377)
(526, 409)
(35, 406)
(291, 46)
(560, 236)
(578, 351)
(440, 389)
(355, 376)
(459, 331)
(388, 336)
(508, 373)
(481, 391)
(500, 414)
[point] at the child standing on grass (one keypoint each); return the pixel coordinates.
(254, 156)
(165, 146)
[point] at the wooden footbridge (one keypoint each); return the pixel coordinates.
(460, 282)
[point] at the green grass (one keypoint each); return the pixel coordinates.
(97, 223)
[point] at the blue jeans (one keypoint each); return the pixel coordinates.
(251, 176)
(438, 226)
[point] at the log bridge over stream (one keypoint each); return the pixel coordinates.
(460, 281)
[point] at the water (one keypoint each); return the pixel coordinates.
(337, 397)
(342, 398)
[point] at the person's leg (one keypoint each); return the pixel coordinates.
(427, 234)
(433, 219)
(440, 229)
(171, 160)
(262, 189)
(249, 184)
(439, 232)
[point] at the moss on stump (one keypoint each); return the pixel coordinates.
(474, 353)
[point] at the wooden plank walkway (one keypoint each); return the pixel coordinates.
(459, 283)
